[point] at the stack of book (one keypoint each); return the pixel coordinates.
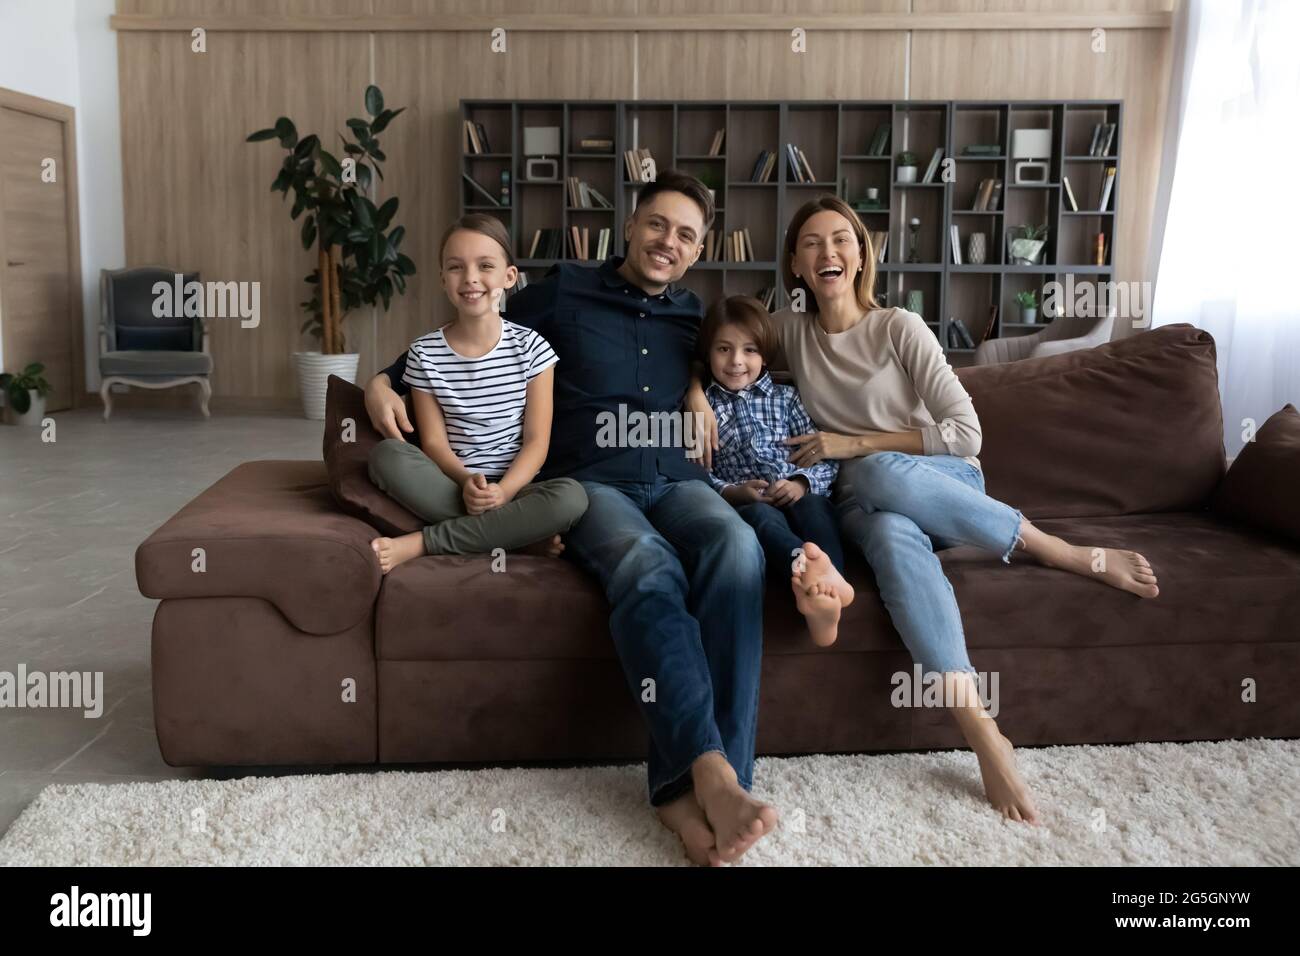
(1103, 134)
(879, 244)
(715, 148)
(547, 244)
(988, 195)
(575, 243)
(738, 247)
(634, 160)
(879, 144)
(595, 144)
(476, 140)
(799, 165)
(712, 246)
(959, 336)
(763, 167)
(988, 150)
(586, 196)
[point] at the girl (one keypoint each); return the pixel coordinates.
(786, 505)
(481, 387)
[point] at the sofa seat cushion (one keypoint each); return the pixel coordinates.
(151, 364)
(270, 530)
(1218, 581)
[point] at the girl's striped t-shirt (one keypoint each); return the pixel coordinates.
(482, 399)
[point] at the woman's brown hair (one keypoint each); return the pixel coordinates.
(865, 281)
(744, 311)
(483, 223)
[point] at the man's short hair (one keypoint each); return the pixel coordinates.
(676, 181)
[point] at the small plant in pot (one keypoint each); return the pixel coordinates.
(359, 261)
(1026, 243)
(1028, 302)
(906, 171)
(25, 394)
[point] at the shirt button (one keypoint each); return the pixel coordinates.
(645, 388)
(641, 315)
(645, 351)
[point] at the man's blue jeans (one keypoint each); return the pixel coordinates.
(902, 509)
(683, 575)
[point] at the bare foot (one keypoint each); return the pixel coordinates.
(817, 567)
(1003, 785)
(1125, 570)
(394, 551)
(821, 608)
(686, 819)
(737, 819)
(551, 547)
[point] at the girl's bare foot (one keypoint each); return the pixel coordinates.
(551, 547)
(394, 551)
(1125, 570)
(686, 819)
(1003, 785)
(820, 593)
(737, 819)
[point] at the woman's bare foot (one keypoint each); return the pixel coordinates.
(1125, 570)
(820, 593)
(551, 547)
(685, 818)
(737, 819)
(1003, 785)
(394, 551)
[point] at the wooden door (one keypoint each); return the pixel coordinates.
(40, 308)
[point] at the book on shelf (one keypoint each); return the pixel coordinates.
(982, 149)
(483, 193)
(749, 246)
(879, 243)
(602, 243)
(715, 148)
(548, 243)
(983, 194)
(933, 167)
(1099, 248)
(595, 144)
(1069, 194)
(634, 160)
(988, 327)
(811, 177)
(1107, 139)
(1103, 134)
(956, 244)
(963, 334)
(800, 168)
(767, 296)
(995, 196)
(879, 141)
(1107, 182)
(586, 196)
(763, 167)
(476, 141)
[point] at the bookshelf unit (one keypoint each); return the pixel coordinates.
(836, 137)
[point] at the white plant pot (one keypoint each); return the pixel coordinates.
(34, 414)
(906, 174)
(314, 370)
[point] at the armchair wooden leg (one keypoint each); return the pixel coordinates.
(106, 396)
(204, 395)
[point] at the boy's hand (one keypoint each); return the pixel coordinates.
(783, 493)
(480, 496)
(745, 493)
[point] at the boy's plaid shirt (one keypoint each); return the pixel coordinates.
(752, 426)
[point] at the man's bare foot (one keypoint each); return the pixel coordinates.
(1003, 785)
(737, 819)
(821, 608)
(394, 551)
(686, 819)
(551, 547)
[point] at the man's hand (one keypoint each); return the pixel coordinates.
(781, 494)
(480, 496)
(821, 446)
(387, 409)
(705, 430)
(745, 493)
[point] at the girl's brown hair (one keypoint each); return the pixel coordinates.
(744, 311)
(483, 223)
(865, 281)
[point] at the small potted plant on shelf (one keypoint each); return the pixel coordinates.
(1028, 302)
(25, 394)
(1026, 244)
(712, 183)
(906, 172)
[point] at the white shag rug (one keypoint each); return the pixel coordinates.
(1227, 803)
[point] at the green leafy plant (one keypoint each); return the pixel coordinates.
(907, 159)
(18, 388)
(1032, 233)
(1027, 299)
(359, 261)
(711, 180)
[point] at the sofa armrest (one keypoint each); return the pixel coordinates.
(270, 530)
(1260, 487)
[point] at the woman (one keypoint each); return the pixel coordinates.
(896, 417)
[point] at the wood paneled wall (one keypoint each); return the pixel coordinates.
(197, 196)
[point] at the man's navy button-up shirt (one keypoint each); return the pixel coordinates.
(618, 346)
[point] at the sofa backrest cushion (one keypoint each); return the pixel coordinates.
(1129, 427)
(1262, 488)
(347, 462)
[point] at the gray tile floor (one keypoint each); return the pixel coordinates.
(72, 512)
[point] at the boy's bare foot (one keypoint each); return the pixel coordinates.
(817, 567)
(394, 551)
(1003, 785)
(821, 608)
(737, 819)
(686, 819)
(551, 547)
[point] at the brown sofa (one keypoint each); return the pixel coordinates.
(290, 648)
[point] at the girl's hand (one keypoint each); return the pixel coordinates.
(745, 493)
(821, 446)
(705, 430)
(479, 496)
(785, 492)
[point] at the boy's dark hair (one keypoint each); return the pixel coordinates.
(744, 311)
(483, 223)
(676, 181)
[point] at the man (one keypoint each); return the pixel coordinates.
(682, 572)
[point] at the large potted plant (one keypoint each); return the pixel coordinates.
(359, 261)
(25, 394)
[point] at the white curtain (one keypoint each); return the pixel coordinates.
(1226, 232)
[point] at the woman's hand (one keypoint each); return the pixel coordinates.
(823, 446)
(480, 496)
(387, 409)
(705, 432)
